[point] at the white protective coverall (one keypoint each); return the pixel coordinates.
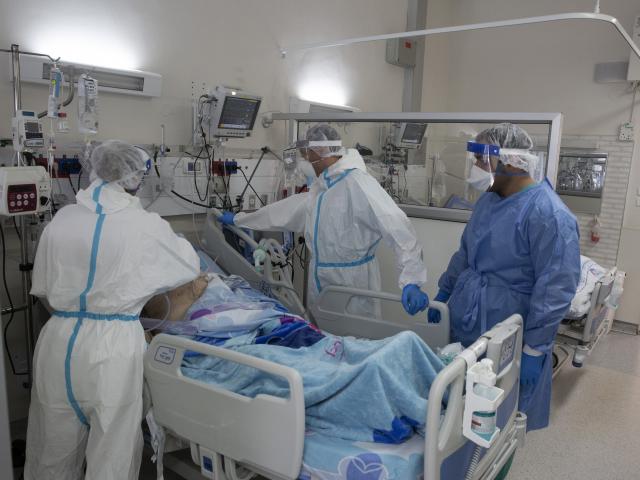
(98, 263)
(344, 216)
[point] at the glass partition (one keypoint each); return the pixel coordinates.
(421, 160)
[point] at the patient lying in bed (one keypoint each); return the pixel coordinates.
(354, 389)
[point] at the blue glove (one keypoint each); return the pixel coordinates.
(227, 218)
(414, 300)
(530, 371)
(434, 315)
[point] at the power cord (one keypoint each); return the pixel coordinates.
(6, 289)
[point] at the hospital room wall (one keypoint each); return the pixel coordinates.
(224, 42)
(544, 68)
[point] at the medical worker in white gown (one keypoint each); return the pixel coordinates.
(98, 262)
(344, 216)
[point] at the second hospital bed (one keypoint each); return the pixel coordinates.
(591, 314)
(233, 437)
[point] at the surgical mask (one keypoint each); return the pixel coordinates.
(480, 179)
(305, 167)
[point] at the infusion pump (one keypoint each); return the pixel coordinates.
(27, 131)
(24, 190)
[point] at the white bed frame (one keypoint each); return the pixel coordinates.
(265, 435)
(578, 338)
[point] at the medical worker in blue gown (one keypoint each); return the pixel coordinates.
(98, 262)
(519, 254)
(344, 216)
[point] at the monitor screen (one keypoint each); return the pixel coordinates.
(239, 113)
(413, 132)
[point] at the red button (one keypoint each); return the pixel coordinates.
(407, 44)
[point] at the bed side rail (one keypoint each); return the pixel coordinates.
(330, 313)
(231, 261)
(264, 431)
(444, 433)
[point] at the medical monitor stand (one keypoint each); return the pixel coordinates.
(6, 464)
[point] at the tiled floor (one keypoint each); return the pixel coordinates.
(595, 419)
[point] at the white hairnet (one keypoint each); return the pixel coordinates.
(322, 133)
(116, 161)
(515, 145)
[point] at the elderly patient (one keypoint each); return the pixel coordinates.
(337, 372)
(173, 305)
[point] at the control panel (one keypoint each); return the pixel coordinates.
(24, 190)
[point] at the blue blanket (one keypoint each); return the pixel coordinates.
(354, 389)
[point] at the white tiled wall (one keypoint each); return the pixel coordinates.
(605, 252)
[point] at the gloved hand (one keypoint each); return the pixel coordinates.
(414, 300)
(434, 315)
(227, 218)
(530, 372)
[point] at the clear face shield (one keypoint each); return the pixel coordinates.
(321, 148)
(481, 170)
(134, 182)
(301, 151)
(486, 162)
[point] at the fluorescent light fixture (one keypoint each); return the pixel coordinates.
(88, 42)
(130, 82)
(297, 105)
(326, 91)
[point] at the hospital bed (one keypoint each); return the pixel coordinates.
(235, 437)
(577, 337)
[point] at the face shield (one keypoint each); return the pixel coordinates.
(489, 161)
(481, 170)
(322, 148)
(133, 182)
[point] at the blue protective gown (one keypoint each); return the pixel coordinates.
(519, 254)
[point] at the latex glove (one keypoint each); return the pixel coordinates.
(434, 315)
(227, 218)
(414, 300)
(530, 372)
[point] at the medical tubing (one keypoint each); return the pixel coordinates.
(475, 460)
(6, 289)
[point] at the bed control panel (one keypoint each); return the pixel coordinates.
(502, 347)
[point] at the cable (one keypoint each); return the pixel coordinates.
(251, 186)
(79, 177)
(189, 201)
(15, 225)
(6, 289)
(71, 183)
(155, 166)
(264, 151)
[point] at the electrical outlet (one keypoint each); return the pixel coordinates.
(218, 185)
(626, 132)
(189, 166)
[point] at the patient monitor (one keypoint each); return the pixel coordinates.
(233, 112)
